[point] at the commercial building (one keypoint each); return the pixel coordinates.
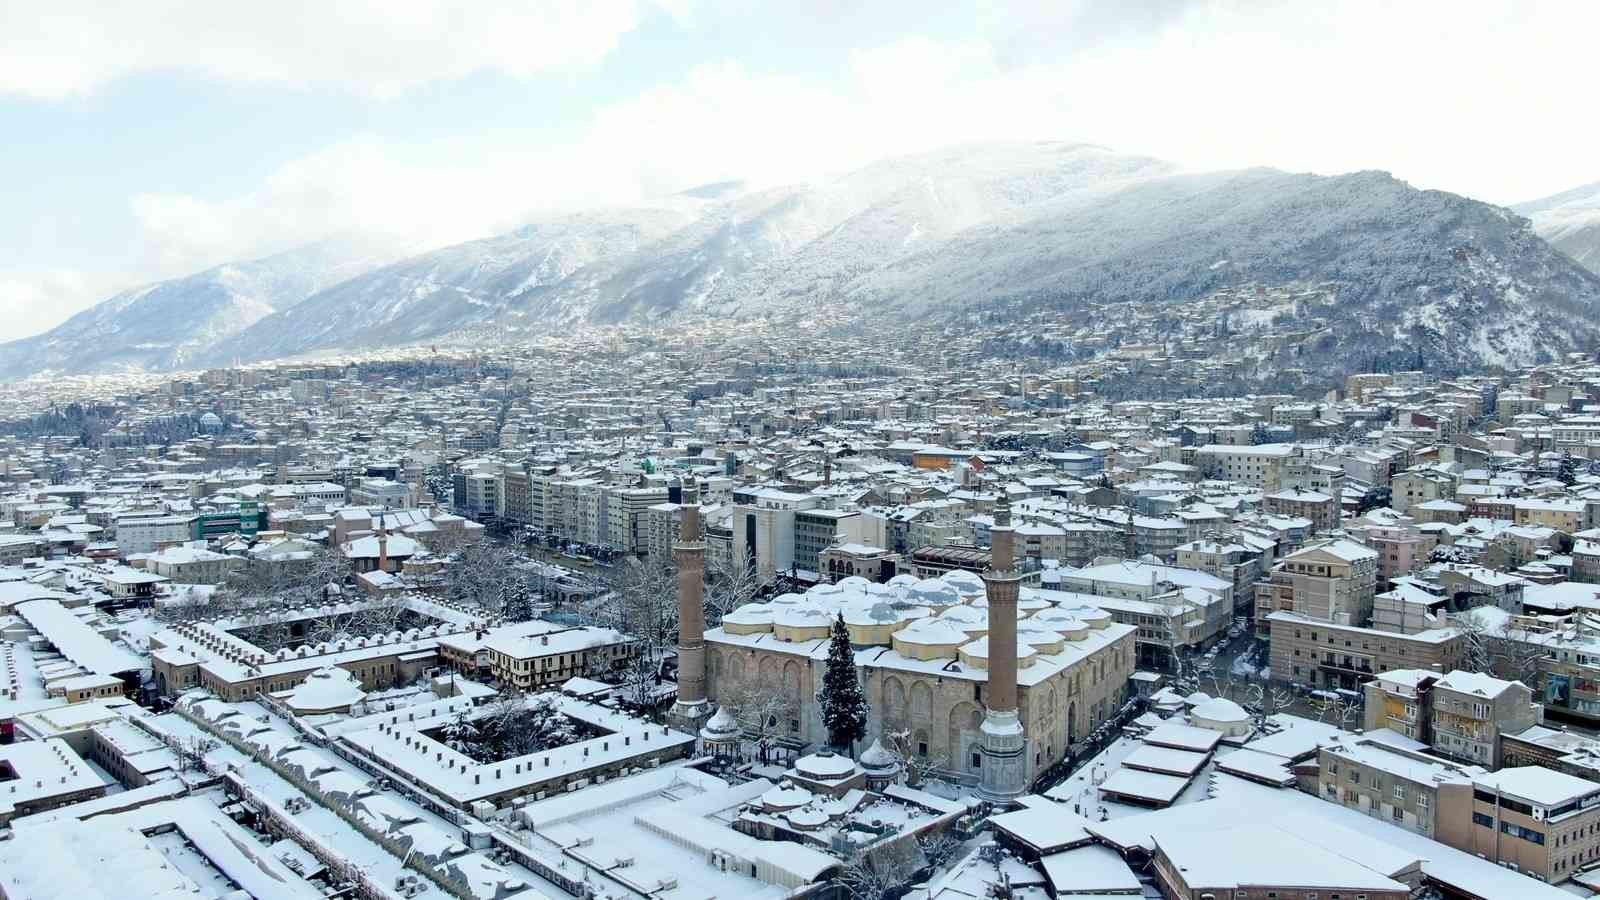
(145, 534)
(530, 662)
(1539, 822)
(1325, 655)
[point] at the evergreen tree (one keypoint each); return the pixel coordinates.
(1567, 470)
(844, 706)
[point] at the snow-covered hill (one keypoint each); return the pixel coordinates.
(1466, 282)
(1570, 221)
(702, 248)
(1001, 229)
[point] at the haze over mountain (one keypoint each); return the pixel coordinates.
(998, 228)
(1570, 221)
(166, 325)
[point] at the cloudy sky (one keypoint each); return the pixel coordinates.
(148, 140)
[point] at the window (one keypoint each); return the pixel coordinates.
(977, 760)
(1399, 792)
(1479, 818)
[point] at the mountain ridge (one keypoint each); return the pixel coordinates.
(994, 228)
(1570, 221)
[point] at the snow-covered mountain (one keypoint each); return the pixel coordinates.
(1570, 221)
(168, 324)
(1466, 282)
(700, 248)
(1000, 229)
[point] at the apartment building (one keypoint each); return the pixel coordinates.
(1415, 486)
(1331, 582)
(1471, 710)
(1261, 465)
(1327, 655)
(515, 498)
(660, 529)
(1322, 509)
(1562, 515)
(1461, 715)
(627, 530)
(1388, 780)
(1400, 550)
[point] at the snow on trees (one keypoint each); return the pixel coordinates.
(732, 585)
(512, 726)
(643, 602)
(763, 712)
(844, 705)
(491, 577)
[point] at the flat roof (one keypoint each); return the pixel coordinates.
(1149, 786)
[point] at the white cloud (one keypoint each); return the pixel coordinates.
(32, 301)
(67, 47)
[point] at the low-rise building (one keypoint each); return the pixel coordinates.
(1394, 781)
(532, 661)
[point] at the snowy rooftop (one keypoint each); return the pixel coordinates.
(76, 641)
(1538, 785)
(402, 744)
(1088, 870)
(1147, 786)
(1261, 854)
(670, 820)
(43, 769)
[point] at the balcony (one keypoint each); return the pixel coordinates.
(1354, 667)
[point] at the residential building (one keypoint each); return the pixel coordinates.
(1330, 582)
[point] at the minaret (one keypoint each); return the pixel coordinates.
(691, 710)
(383, 545)
(1003, 746)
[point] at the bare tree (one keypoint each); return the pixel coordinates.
(325, 627)
(1322, 704)
(643, 602)
(380, 615)
(873, 874)
(639, 680)
(763, 713)
(1517, 655)
(489, 576)
(918, 768)
(732, 585)
(1477, 650)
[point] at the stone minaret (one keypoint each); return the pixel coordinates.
(692, 709)
(383, 545)
(1004, 746)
